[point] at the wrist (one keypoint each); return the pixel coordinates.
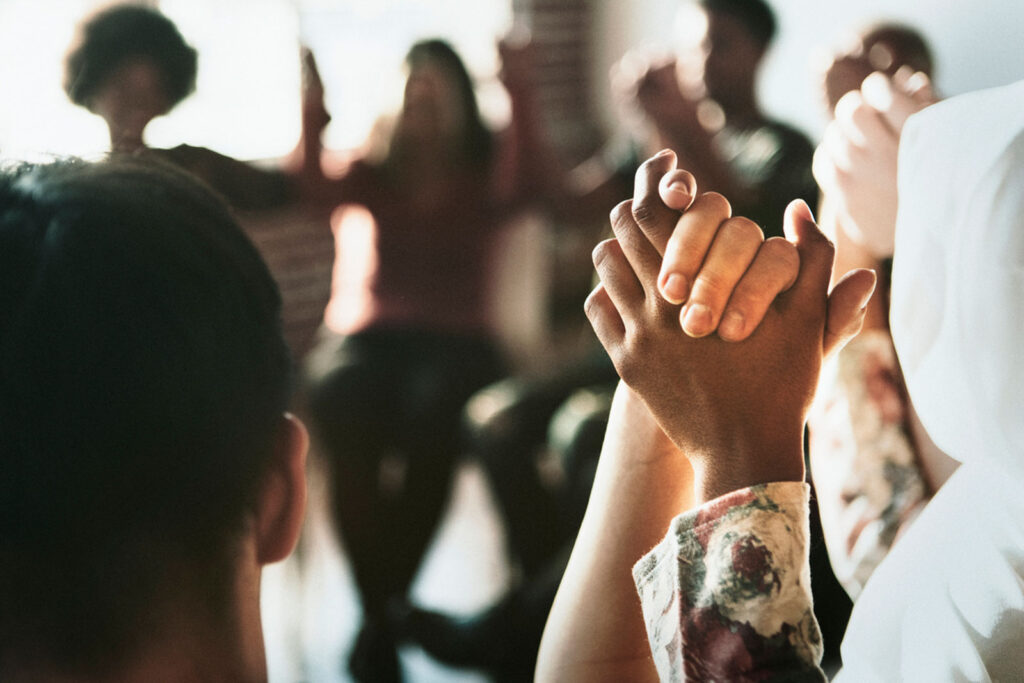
(741, 465)
(631, 420)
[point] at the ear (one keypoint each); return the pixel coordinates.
(282, 501)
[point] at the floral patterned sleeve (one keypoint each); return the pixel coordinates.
(866, 477)
(726, 595)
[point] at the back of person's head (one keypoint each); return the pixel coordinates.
(476, 140)
(755, 15)
(142, 375)
(114, 36)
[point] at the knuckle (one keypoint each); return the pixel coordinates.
(590, 305)
(782, 251)
(644, 211)
(716, 204)
(711, 286)
(654, 164)
(622, 213)
(747, 302)
(601, 252)
(743, 230)
(646, 167)
(640, 340)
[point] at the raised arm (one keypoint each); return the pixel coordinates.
(734, 411)
(528, 169)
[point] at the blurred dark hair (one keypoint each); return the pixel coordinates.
(114, 36)
(142, 371)
(477, 141)
(755, 15)
(888, 46)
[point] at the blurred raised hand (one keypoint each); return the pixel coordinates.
(855, 165)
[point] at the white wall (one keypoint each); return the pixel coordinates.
(246, 102)
(977, 44)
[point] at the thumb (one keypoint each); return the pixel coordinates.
(816, 255)
(846, 308)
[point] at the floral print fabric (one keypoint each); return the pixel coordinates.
(866, 476)
(726, 595)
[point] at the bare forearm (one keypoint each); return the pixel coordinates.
(595, 630)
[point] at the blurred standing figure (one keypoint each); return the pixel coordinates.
(703, 104)
(129, 65)
(406, 337)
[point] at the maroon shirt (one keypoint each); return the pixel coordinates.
(407, 262)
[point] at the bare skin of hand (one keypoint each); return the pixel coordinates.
(659, 96)
(726, 275)
(856, 161)
(735, 409)
(517, 54)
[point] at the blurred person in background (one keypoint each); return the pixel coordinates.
(129, 64)
(703, 104)
(407, 336)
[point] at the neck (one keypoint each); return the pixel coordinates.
(184, 648)
(125, 142)
(741, 110)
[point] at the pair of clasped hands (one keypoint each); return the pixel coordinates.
(719, 332)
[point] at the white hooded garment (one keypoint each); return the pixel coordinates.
(947, 604)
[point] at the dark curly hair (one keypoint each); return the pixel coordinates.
(113, 36)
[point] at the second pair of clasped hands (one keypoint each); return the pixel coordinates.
(719, 333)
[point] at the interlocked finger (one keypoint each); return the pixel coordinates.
(655, 219)
(733, 250)
(774, 270)
(643, 259)
(689, 243)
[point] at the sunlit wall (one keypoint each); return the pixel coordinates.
(247, 98)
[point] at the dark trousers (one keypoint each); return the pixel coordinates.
(385, 411)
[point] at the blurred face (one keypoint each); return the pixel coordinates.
(132, 96)
(727, 56)
(431, 106)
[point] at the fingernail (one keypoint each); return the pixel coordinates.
(680, 189)
(675, 289)
(697, 321)
(732, 325)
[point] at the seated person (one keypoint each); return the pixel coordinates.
(149, 467)
(725, 594)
